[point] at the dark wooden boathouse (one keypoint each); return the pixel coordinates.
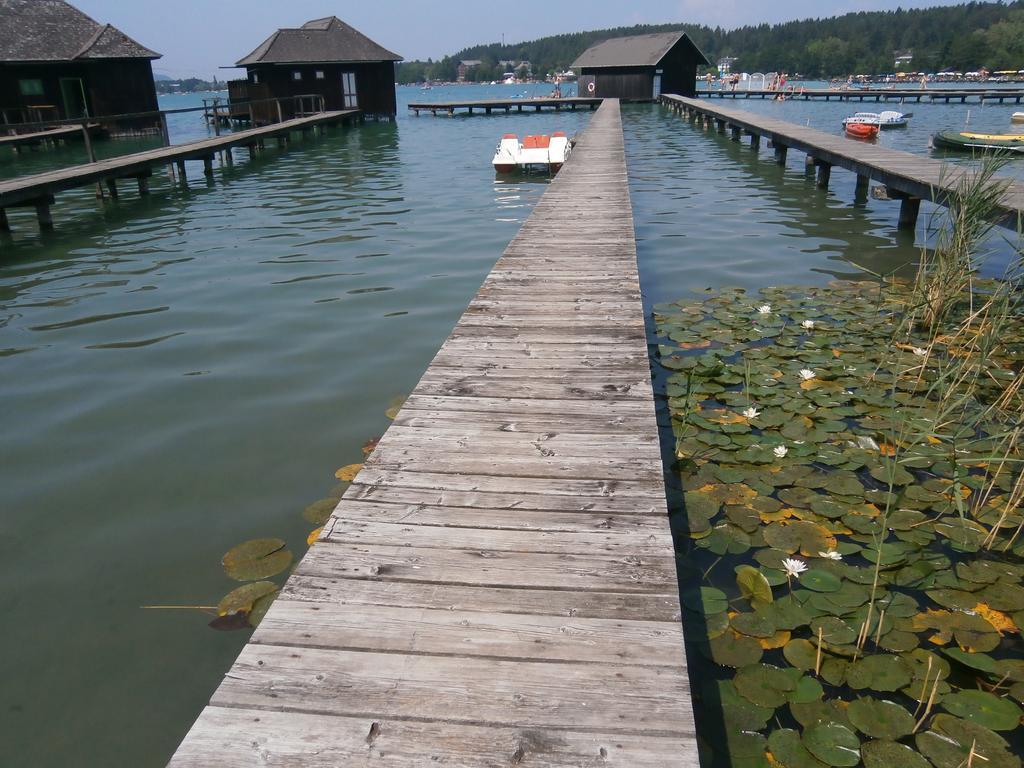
(57, 63)
(324, 57)
(640, 67)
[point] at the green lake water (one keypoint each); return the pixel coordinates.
(184, 372)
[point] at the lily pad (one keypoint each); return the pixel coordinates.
(833, 744)
(883, 672)
(983, 708)
(753, 585)
(880, 719)
(820, 581)
(732, 650)
(891, 754)
(256, 559)
(706, 600)
(764, 685)
(789, 751)
(240, 600)
(951, 741)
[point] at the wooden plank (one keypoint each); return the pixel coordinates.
(498, 585)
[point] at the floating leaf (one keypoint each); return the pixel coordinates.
(880, 719)
(313, 536)
(833, 744)
(240, 600)
(319, 512)
(820, 581)
(260, 608)
(951, 741)
(764, 685)
(706, 600)
(753, 585)
(394, 407)
(348, 472)
(879, 673)
(733, 650)
(983, 708)
(890, 754)
(256, 559)
(788, 750)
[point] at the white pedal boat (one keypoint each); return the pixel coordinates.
(887, 119)
(544, 152)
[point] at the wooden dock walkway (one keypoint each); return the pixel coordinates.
(908, 178)
(54, 135)
(505, 105)
(38, 190)
(917, 95)
(498, 585)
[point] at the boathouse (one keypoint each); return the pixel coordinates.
(57, 63)
(324, 57)
(641, 67)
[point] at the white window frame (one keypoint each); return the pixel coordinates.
(319, 74)
(297, 75)
(350, 94)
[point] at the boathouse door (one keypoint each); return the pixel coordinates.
(657, 84)
(348, 90)
(72, 92)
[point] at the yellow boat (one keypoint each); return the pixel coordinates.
(1010, 142)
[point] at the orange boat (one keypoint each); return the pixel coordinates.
(861, 130)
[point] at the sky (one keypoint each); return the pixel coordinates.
(197, 37)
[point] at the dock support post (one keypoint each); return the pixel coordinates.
(181, 169)
(824, 173)
(755, 142)
(780, 153)
(720, 125)
(44, 215)
(5, 225)
(112, 188)
(208, 165)
(735, 133)
(143, 185)
(861, 190)
(909, 208)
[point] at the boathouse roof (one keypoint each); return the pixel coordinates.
(634, 51)
(52, 30)
(319, 41)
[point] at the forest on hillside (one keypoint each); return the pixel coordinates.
(960, 37)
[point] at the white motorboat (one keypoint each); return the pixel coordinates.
(544, 152)
(888, 119)
(1017, 117)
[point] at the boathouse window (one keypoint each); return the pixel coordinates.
(31, 87)
(348, 89)
(297, 75)
(255, 77)
(319, 74)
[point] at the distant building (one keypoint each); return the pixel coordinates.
(324, 57)
(58, 63)
(640, 68)
(903, 59)
(464, 68)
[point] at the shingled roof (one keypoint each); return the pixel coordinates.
(318, 42)
(634, 51)
(52, 30)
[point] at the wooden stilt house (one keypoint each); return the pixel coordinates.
(323, 57)
(640, 67)
(57, 63)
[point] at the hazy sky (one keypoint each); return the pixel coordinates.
(198, 36)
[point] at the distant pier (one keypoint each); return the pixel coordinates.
(916, 95)
(38, 191)
(498, 585)
(505, 105)
(907, 177)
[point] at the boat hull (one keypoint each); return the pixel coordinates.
(978, 142)
(862, 130)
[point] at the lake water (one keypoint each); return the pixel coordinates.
(185, 372)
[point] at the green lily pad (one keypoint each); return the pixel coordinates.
(318, 512)
(802, 654)
(260, 608)
(256, 559)
(883, 672)
(764, 685)
(891, 754)
(729, 650)
(241, 600)
(706, 600)
(820, 581)
(753, 624)
(753, 585)
(788, 749)
(833, 744)
(983, 708)
(807, 689)
(951, 741)
(880, 719)
(739, 713)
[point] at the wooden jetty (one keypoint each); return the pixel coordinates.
(498, 584)
(908, 178)
(53, 135)
(505, 105)
(934, 95)
(38, 190)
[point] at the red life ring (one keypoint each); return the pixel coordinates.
(591, 87)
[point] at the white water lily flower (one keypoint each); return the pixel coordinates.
(807, 374)
(831, 555)
(919, 352)
(780, 450)
(794, 567)
(765, 309)
(808, 324)
(751, 412)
